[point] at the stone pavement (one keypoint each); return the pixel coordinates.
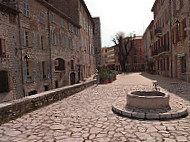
(87, 116)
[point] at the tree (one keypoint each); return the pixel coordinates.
(125, 46)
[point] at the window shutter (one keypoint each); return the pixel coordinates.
(34, 70)
(31, 69)
(47, 42)
(33, 39)
(41, 71)
(48, 70)
(29, 39)
(23, 36)
(44, 42)
(40, 41)
(24, 71)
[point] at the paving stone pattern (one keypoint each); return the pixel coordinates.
(87, 116)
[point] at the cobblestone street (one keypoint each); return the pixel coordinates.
(87, 116)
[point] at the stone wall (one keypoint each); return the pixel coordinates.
(11, 61)
(14, 109)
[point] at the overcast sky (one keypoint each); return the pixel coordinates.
(128, 16)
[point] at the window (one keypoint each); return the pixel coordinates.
(28, 38)
(29, 71)
(26, 9)
(70, 43)
(4, 84)
(46, 88)
(42, 18)
(2, 48)
(77, 31)
(63, 41)
(71, 27)
(72, 64)
(62, 23)
(56, 84)
(53, 17)
(34, 92)
(106, 50)
(42, 42)
(54, 38)
(60, 65)
(183, 64)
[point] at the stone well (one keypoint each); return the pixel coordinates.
(147, 99)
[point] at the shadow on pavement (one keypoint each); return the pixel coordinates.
(172, 85)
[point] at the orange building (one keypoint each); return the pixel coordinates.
(104, 56)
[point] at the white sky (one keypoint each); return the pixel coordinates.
(127, 16)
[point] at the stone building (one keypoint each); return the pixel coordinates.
(171, 41)
(10, 59)
(51, 50)
(147, 37)
(78, 11)
(97, 40)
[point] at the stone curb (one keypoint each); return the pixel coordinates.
(149, 116)
(13, 109)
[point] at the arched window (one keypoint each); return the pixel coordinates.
(4, 84)
(60, 65)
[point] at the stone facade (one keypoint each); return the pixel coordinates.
(147, 37)
(78, 11)
(10, 59)
(171, 42)
(51, 49)
(97, 40)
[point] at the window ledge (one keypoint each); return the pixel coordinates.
(59, 71)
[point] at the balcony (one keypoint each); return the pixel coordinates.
(158, 32)
(160, 50)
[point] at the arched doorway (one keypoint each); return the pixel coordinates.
(72, 78)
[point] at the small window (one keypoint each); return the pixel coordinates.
(72, 64)
(2, 48)
(53, 17)
(42, 42)
(4, 84)
(42, 18)
(46, 88)
(56, 84)
(26, 9)
(60, 65)
(32, 93)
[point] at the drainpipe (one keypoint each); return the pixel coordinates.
(170, 35)
(51, 74)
